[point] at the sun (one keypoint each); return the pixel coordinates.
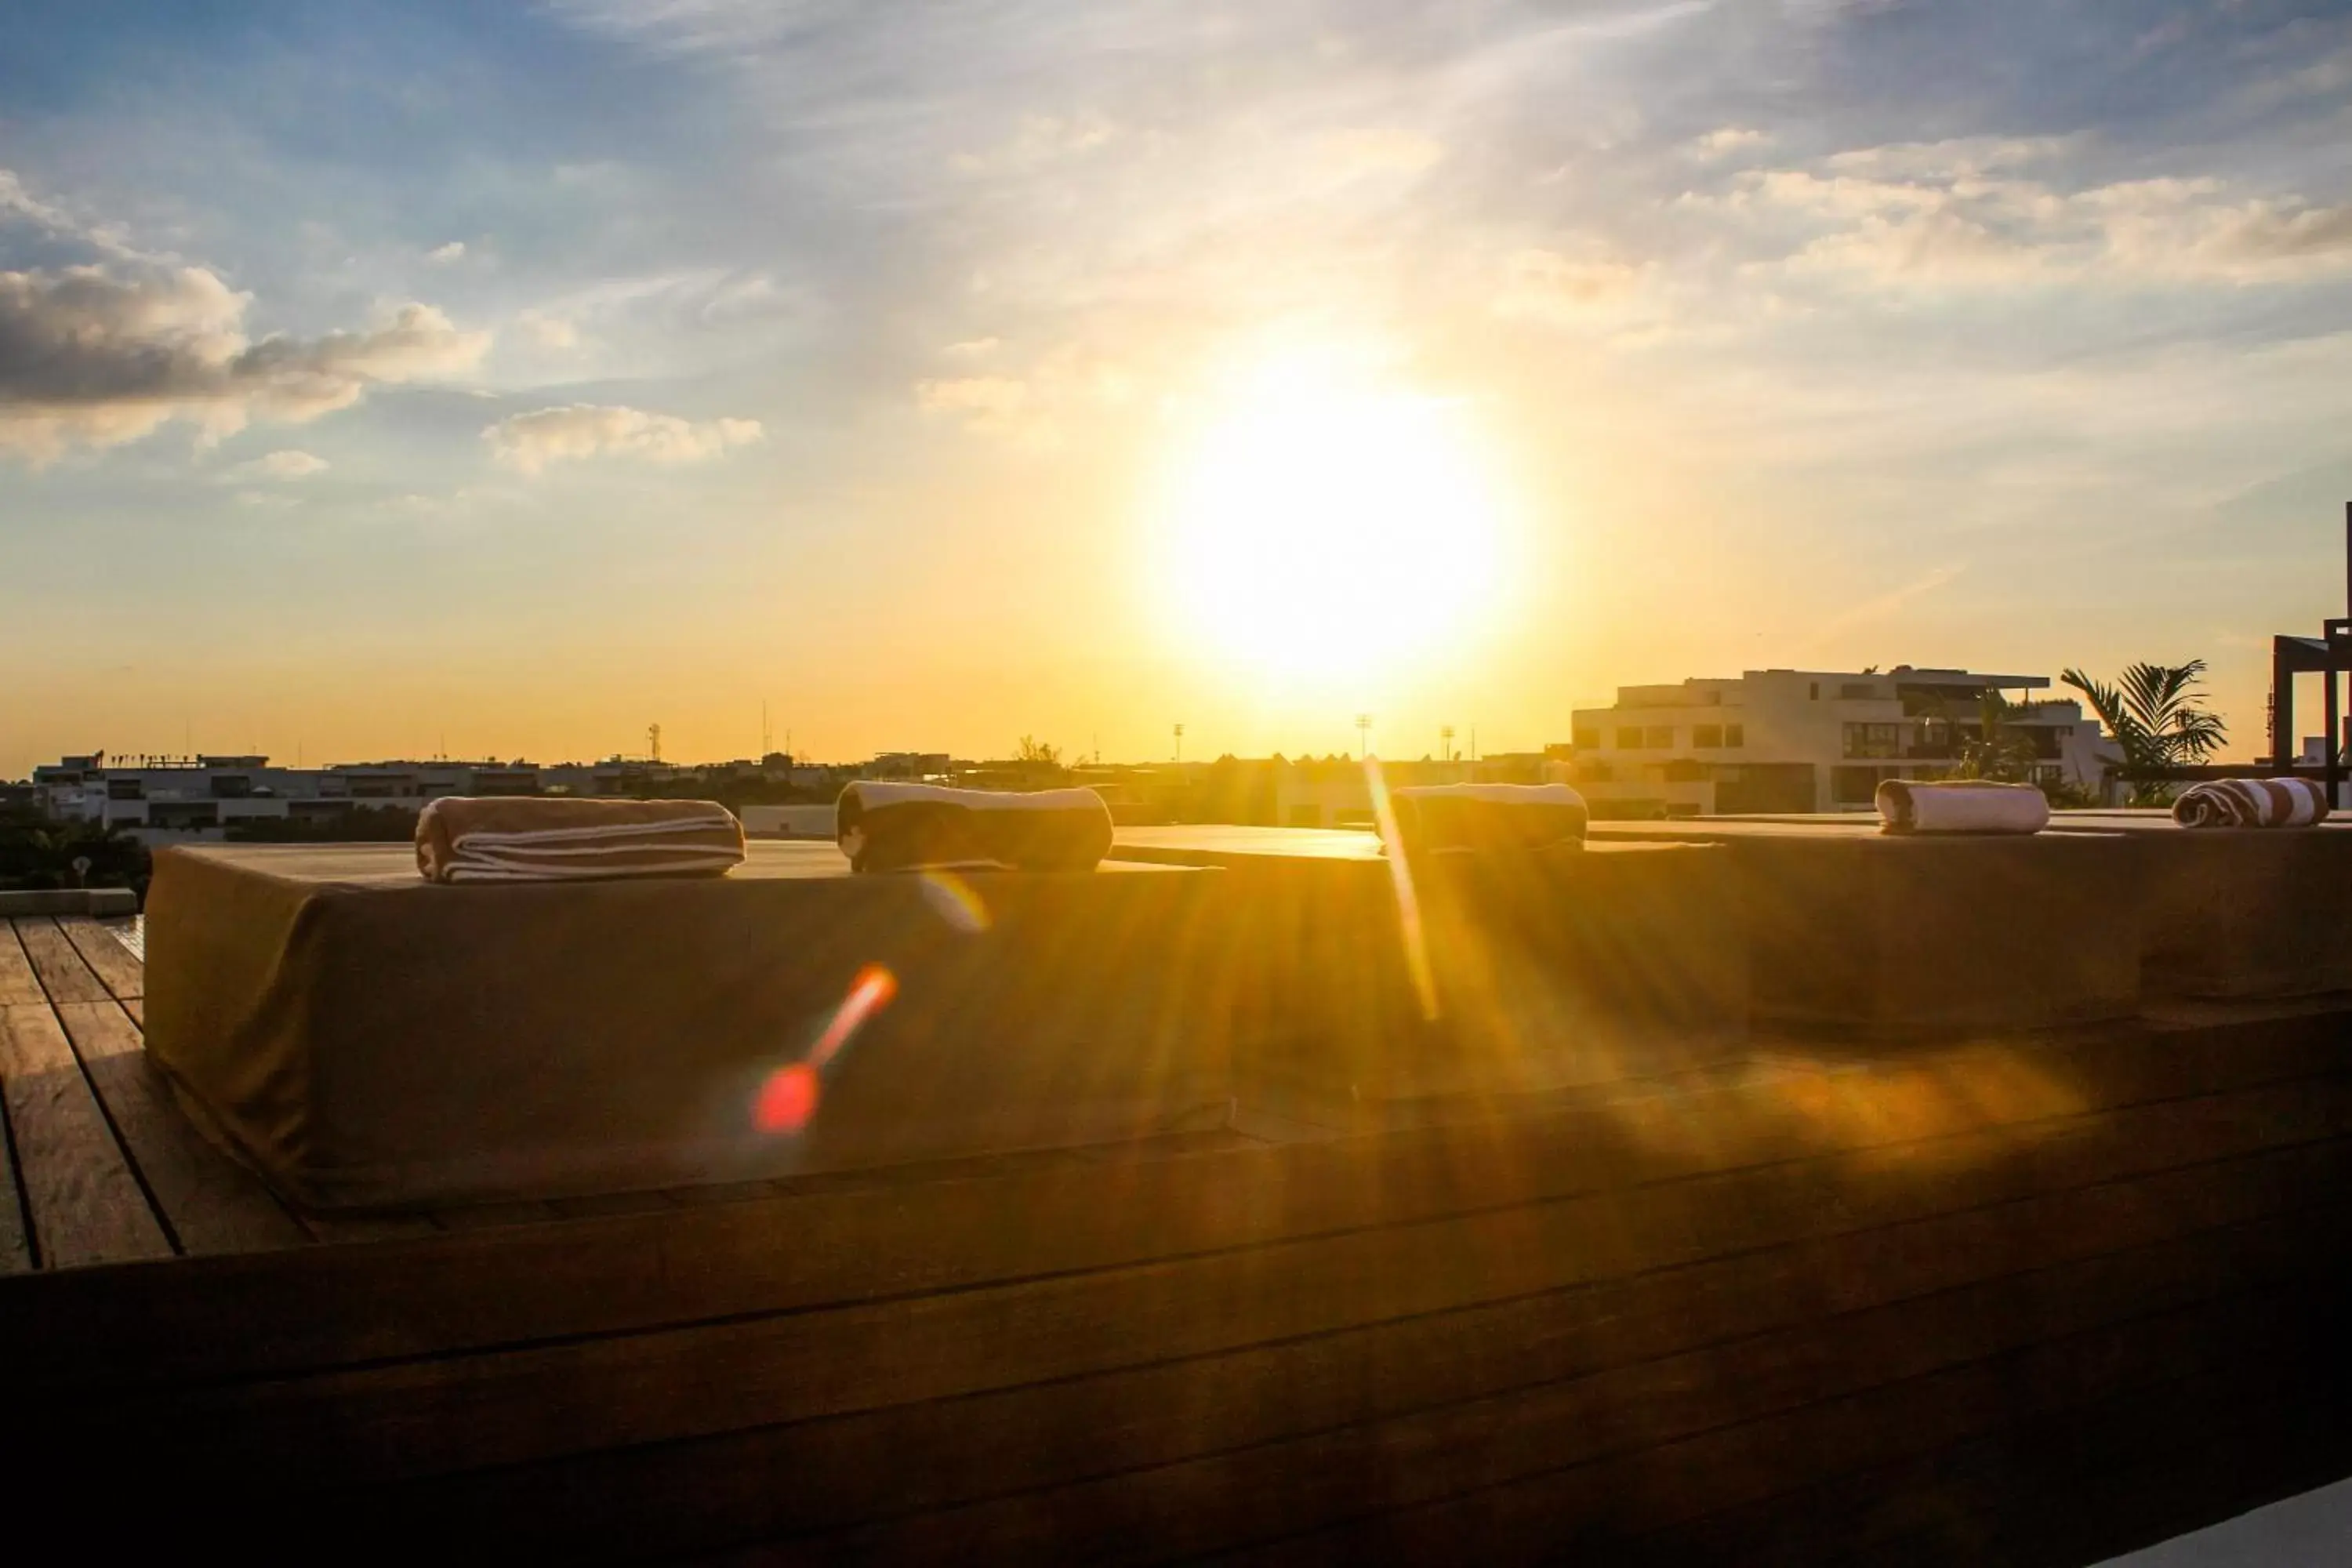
(1318, 527)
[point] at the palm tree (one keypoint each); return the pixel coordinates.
(2157, 713)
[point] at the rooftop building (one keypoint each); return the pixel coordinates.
(1803, 741)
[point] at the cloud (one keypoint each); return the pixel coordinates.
(1038, 141)
(442, 255)
(287, 464)
(1959, 214)
(1029, 410)
(529, 442)
(1350, 154)
(99, 355)
(970, 348)
(1728, 140)
(545, 330)
(1545, 285)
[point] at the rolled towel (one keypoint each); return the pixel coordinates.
(908, 827)
(2251, 803)
(1960, 806)
(466, 840)
(1487, 817)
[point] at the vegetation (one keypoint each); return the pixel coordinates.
(1032, 750)
(38, 853)
(2157, 714)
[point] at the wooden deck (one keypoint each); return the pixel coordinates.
(2020, 1300)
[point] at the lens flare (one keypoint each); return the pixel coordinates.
(955, 900)
(787, 1101)
(1416, 940)
(787, 1098)
(869, 995)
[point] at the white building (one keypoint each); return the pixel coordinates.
(1804, 740)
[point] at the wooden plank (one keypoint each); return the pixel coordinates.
(369, 1227)
(210, 1202)
(393, 1420)
(62, 972)
(16, 1233)
(224, 1317)
(1182, 1512)
(137, 1007)
(124, 977)
(493, 1216)
(1598, 1508)
(702, 1493)
(2079, 1486)
(609, 1204)
(18, 987)
(86, 1205)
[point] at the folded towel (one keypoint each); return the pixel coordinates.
(466, 840)
(1961, 805)
(908, 827)
(1475, 818)
(2251, 803)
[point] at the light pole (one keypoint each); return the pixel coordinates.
(1180, 742)
(1445, 743)
(1364, 735)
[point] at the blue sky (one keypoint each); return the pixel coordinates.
(377, 379)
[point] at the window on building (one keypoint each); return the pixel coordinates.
(1588, 740)
(1706, 737)
(1855, 691)
(1874, 740)
(1853, 786)
(1814, 693)
(1659, 735)
(1684, 770)
(1734, 735)
(125, 789)
(1629, 739)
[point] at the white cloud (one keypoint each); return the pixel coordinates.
(1728, 140)
(529, 442)
(970, 348)
(1568, 290)
(1355, 153)
(1955, 213)
(1028, 410)
(1038, 141)
(99, 355)
(287, 464)
(546, 331)
(442, 255)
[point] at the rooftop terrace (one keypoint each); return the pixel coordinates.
(1993, 1295)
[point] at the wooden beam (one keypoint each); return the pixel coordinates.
(704, 1492)
(86, 1205)
(396, 1420)
(225, 1317)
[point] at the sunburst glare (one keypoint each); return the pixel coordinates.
(1321, 525)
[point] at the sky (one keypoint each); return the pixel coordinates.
(440, 378)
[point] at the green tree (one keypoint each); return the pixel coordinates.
(2157, 714)
(1032, 750)
(1997, 751)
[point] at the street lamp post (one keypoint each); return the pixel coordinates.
(1180, 742)
(1364, 735)
(1445, 743)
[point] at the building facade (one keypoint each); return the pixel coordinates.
(1813, 741)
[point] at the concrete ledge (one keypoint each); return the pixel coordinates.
(68, 901)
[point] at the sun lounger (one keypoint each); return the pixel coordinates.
(2236, 912)
(1543, 970)
(365, 1038)
(1855, 931)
